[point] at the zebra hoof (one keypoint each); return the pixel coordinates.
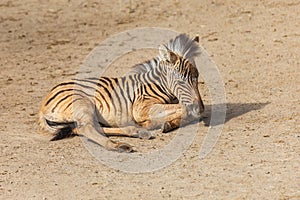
(124, 147)
(166, 127)
(146, 135)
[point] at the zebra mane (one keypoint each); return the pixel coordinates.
(182, 45)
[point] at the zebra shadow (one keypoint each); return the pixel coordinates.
(233, 110)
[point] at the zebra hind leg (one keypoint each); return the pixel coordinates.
(89, 131)
(129, 131)
(145, 134)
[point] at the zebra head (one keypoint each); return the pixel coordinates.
(182, 80)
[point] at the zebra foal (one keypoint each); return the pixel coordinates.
(161, 93)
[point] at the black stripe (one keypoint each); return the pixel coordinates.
(98, 84)
(123, 81)
(132, 88)
(61, 91)
(147, 78)
(105, 80)
(156, 74)
(156, 94)
(128, 91)
(60, 101)
(114, 89)
(139, 88)
(135, 83)
(56, 94)
(121, 87)
(103, 99)
(162, 91)
(156, 62)
(141, 78)
(108, 81)
(82, 97)
(72, 83)
(105, 86)
(62, 84)
(124, 97)
(109, 97)
(66, 90)
(77, 100)
(84, 86)
(71, 103)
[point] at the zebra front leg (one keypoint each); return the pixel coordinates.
(189, 114)
(165, 116)
(168, 116)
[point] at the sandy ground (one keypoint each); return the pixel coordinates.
(255, 45)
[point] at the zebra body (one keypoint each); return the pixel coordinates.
(162, 93)
(114, 98)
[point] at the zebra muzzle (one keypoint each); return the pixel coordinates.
(193, 110)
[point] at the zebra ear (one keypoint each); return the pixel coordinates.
(196, 38)
(166, 54)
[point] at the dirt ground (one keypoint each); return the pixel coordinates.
(255, 45)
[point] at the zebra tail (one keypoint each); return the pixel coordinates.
(64, 129)
(59, 130)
